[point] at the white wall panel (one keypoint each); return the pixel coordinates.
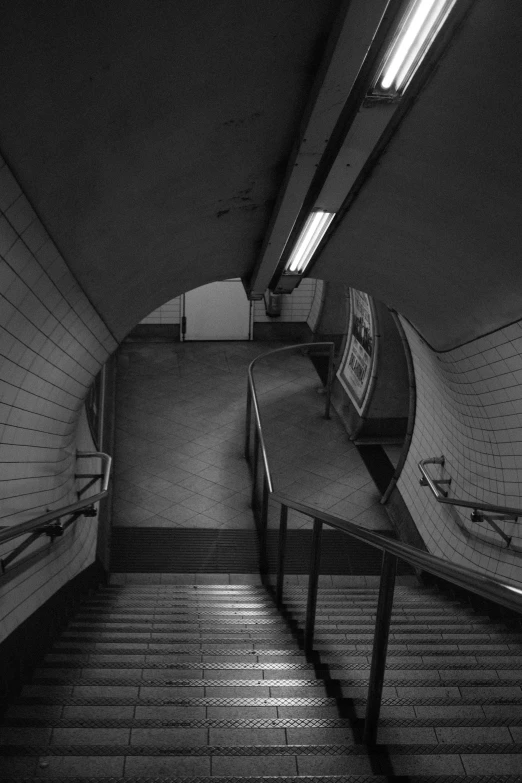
(469, 409)
(316, 306)
(302, 305)
(296, 307)
(52, 344)
(169, 313)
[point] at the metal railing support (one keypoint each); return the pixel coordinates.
(263, 528)
(329, 382)
(283, 521)
(94, 478)
(42, 521)
(442, 496)
(255, 465)
(4, 562)
(380, 646)
(503, 592)
(248, 422)
(313, 582)
(263, 559)
(264, 503)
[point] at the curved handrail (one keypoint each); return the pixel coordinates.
(502, 592)
(44, 519)
(492, 588)
(508, 595)
(253, 396)
(442, 498)
(107, 462)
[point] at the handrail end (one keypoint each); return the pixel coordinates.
(432, 461)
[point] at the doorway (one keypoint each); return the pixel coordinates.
(217, 311)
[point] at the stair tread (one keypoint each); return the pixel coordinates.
(342, 777)
(89, 722)
(178, 679)
(111, 748)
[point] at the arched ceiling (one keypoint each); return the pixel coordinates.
(436, 230)
(153, 138)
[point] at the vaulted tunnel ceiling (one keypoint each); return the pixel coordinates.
(436, 229)
(153, 138)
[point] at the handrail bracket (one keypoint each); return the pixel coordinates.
(50, 524)
(493, 513)
(433, 483)
(492, 519)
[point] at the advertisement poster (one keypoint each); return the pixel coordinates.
(355, 370)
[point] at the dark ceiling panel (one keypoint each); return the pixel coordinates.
(152, 137)
(436, 230)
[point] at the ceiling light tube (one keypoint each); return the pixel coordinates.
(415, 33)
(314, 230)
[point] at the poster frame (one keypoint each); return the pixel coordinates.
(360, 399)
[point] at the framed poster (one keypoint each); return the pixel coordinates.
(93, 407)
(356, 369)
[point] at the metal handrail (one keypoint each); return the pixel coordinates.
(252, 399)
(443, 498)
(44, 519)
(499, 591)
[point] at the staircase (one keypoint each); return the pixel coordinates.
(180, 682)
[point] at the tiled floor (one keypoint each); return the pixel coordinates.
(180, 429)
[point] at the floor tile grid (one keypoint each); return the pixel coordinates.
(176, 467)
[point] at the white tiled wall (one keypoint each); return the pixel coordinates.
(469, 409)
(316, 306)
(52, 344)
(169, 313)
(21, 596)
(304, 304)
(296, 307)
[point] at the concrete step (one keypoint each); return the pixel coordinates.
(173, 688)
(72, 651)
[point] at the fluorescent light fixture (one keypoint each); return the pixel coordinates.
(515, 589)
(314, 230)
(415, 33)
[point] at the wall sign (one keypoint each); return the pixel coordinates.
(93, 406)
(355, 370)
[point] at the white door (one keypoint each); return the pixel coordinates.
(218, 311)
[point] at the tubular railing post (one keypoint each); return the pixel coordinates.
(264, 526)
(248, 422)
(263, 555)
(101, 406)
(281, 555)
(313, 582)
(380, 646)
(264, 504)
(254, 471)
(329, 383)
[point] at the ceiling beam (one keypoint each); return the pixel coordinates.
(349, 44)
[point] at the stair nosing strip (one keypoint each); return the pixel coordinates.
(273, 683)
(444, 749)
(256, 723)
(272, 701)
